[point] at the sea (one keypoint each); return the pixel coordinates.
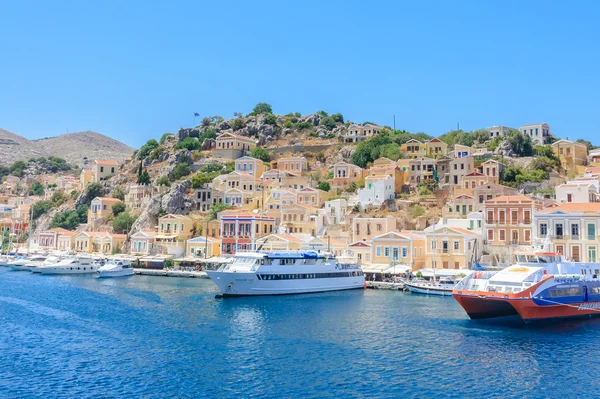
(163, 337)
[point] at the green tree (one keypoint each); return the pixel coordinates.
(180, 170)
(36, 188)
(324, 186)
(94, 190)
(328, 122)
(260, 153)
(18, 168)
(271, 119)
(147, 148)
(208, 134)
(143, 177)
(118, 208)
(338, 117)
(40, 207)
(189, 143)
(262, 108)
(123, 222)
(58, 198)
(163, 181)
(238, 123)
(118, 193)
(544, 151)
(74, 194)
(216, 208)
(520, 143)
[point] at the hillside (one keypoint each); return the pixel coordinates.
(72, 147)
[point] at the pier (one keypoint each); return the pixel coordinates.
(381, 285)
(170, 273)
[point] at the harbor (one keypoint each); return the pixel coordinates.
(170, 273)
(196, 346)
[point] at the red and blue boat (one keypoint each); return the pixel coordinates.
(540, 286)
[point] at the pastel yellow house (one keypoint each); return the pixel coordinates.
(179, 227)
(414, 149)
(436, 148)
(252, 166)
(101, 169)
(203, 248)
(452, 248)
(85, 177)
(99, 242)
(407, 250)
(101, 207)
(232, 146)
(142, 242)
(571, 154)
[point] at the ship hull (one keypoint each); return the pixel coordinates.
(247, 284)
(428, 290)
(483, 308)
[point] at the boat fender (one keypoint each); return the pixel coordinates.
(365, 285)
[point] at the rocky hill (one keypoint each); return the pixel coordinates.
(74, 148)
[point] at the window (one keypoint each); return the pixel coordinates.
(527, 235)
(457, 265)
(575, 231)
(404, 252)
(378, 251)
(502, 235)
(591, 254)
(456, 245)
(101, 169)
(386, 252)
(591, 231)
(395, 253)
(490, 235)
(543, 229)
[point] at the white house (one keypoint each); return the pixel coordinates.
(378, 188)
(335, 211)
(578, 191)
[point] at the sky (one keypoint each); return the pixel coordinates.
(134, 70)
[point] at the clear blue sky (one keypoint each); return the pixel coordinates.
(136, 69)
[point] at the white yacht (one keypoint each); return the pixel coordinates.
(442, 287)
(285, 272)
(116, 268)
(18, 264)
(36, 261)
(70, 266)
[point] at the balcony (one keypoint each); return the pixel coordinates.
(508, 222)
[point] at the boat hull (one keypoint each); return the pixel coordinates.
(428, 290)
(68, 270)
(482, 308)
(247, 284)
(118, 273)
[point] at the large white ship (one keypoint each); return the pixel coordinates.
(285, 272)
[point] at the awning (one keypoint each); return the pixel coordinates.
(189, 259)
(386, 268)
(158, 258)
(165, 237)
(443, 272)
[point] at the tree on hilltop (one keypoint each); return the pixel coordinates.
(262, 108)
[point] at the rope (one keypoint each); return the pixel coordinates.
(578, 307)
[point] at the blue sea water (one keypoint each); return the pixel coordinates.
(158, 337)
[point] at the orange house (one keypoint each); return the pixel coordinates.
(509, 220)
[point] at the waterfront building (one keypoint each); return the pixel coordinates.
(452, 248)
(361, 251)
(232, 146)
(99, 242)
(573, 230)
(48, 239)
(102, 169)
(570, 153)
(142, 243)
(240, 230)
(202, 248)
(404, 249)
(509, 220)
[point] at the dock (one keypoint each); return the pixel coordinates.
(169, 273)
(380, 285)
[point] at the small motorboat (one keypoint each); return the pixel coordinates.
(116, 268)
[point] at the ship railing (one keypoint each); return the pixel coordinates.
(470, 280)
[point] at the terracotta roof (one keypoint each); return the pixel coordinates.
(106, 162)
(175, 216)
(509, 198)
(108, 199)
(377, 177)
(575, 207)
(464, 231)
